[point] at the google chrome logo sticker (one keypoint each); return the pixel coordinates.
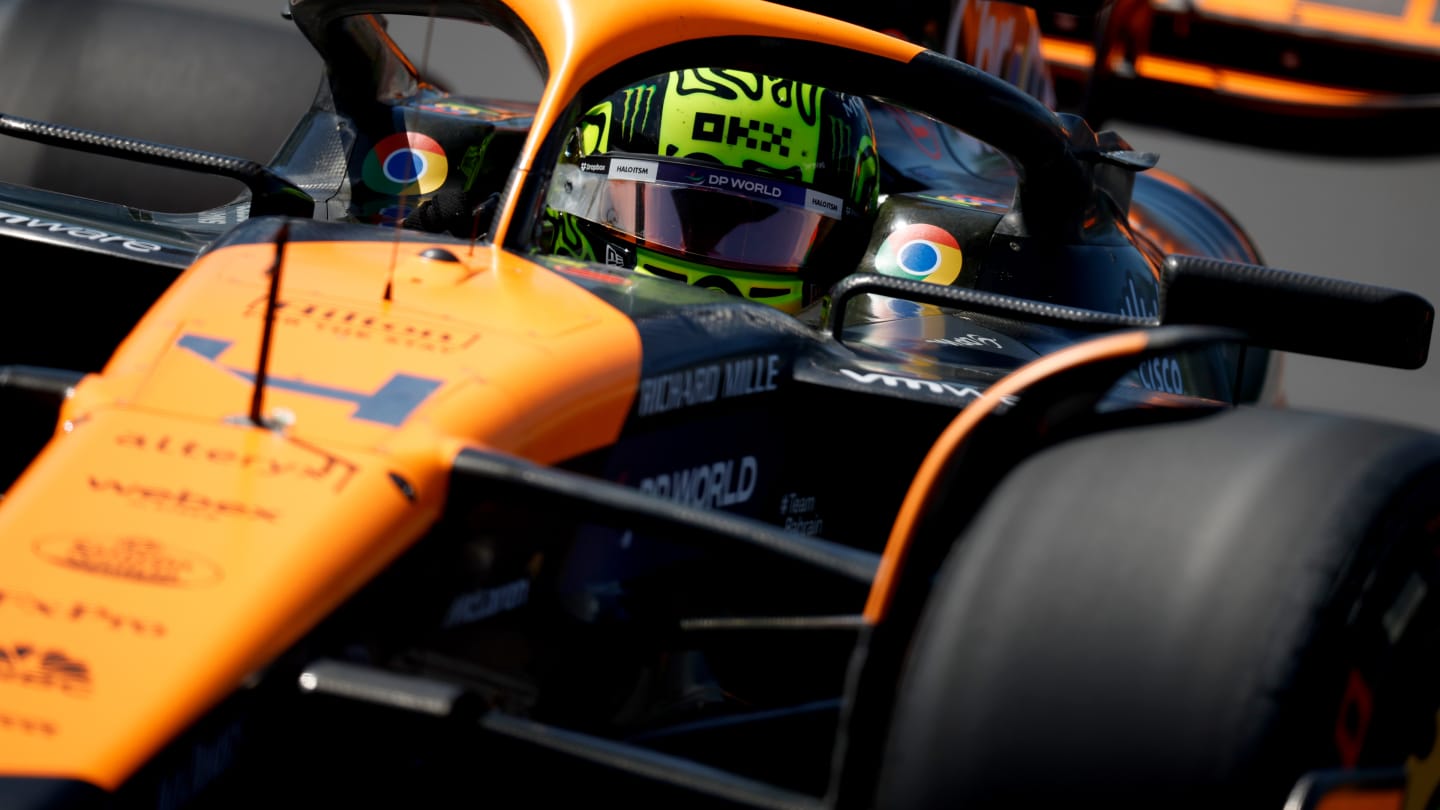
(921, 253)
(406, 163)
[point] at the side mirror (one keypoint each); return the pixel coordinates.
(1300, 313)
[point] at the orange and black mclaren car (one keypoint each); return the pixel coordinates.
(1330, 61)
(357, 490)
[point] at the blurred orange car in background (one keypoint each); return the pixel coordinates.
(1337, 61)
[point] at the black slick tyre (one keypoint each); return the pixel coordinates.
(1190, 614)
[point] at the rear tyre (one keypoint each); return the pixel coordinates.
(1186, 614)
(162, 73)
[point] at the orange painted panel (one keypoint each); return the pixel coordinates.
(152, 563)
(161, 547)
(489, 349)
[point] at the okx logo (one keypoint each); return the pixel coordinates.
(731, 130)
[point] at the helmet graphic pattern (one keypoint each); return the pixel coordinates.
(762, 124)
(767, 137)
(566, 237)
(785, 293)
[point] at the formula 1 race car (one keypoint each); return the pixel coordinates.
(421, 473)
(1333, 70)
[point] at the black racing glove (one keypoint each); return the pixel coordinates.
(457, 212)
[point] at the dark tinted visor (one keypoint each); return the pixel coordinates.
(705, 212)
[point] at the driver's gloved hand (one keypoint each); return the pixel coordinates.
(456, 212)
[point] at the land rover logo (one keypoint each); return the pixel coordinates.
(140, 559)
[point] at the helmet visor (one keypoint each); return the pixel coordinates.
(705, 212)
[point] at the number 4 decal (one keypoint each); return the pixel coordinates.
(390, 404)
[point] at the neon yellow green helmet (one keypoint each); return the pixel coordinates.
(752, 184)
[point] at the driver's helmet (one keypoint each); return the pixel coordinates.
(750, 184)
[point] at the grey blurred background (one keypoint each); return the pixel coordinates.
(1364, 219)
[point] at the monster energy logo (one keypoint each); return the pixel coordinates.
(760, 135)
(636, 107)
